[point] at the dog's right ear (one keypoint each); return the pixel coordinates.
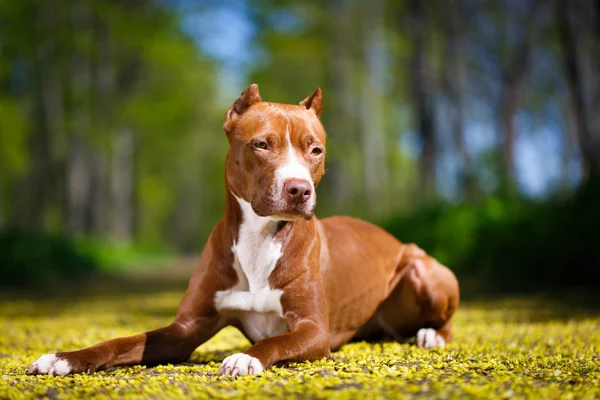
(249, 96)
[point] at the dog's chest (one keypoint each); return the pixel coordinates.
(252, 301)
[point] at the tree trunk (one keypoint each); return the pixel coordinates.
(572, 70)
(454, 79)
(78, 186)
(423, 91)
(513, 79)
(2, 203)
(101, 112)
(40, 187)
(122, 186)
(34, 199)
(594, 126)
(79, 157)
(341, 121)
(373, 136)
(510, 101)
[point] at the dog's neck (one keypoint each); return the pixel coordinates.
(238, 211)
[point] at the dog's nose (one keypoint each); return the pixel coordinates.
(299, 190)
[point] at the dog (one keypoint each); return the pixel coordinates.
(295, 286)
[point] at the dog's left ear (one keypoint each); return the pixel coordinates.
(314, 102)
(248, 97)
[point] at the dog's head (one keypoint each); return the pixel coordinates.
(277, 154)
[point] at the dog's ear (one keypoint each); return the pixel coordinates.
(314, 102)
(249, 96)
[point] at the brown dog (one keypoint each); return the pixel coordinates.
(296, 287)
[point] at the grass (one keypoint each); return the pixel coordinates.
(502, 349)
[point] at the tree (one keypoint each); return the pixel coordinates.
(584, 123)
(372, 109)
(454, 85)
(424, 93)
(512, 78)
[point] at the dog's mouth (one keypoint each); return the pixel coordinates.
(294, 216)
(287, 213)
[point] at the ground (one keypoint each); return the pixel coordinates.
(502, 349)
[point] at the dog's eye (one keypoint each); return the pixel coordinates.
(316, 151)
(261, 145)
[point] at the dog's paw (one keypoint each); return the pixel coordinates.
(50, 364)
(240, 364)
(429, 338)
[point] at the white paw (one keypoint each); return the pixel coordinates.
(429, 338)
(240, 364)
(51, 365)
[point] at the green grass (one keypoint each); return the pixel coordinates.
(511, 348)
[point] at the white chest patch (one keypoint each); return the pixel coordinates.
(251, 300)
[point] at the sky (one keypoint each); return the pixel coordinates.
(225, 32)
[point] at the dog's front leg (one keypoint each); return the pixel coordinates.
(173, 343)
(197, 321)
(307, 342)
(305, 311)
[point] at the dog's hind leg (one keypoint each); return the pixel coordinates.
(420, 305)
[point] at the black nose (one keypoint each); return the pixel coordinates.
(298, 190)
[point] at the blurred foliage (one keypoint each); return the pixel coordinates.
(506, 244)
(33, 258)
(13, 152)
(114, 255)
(444, 119)
(514, 244)
(104, 107)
